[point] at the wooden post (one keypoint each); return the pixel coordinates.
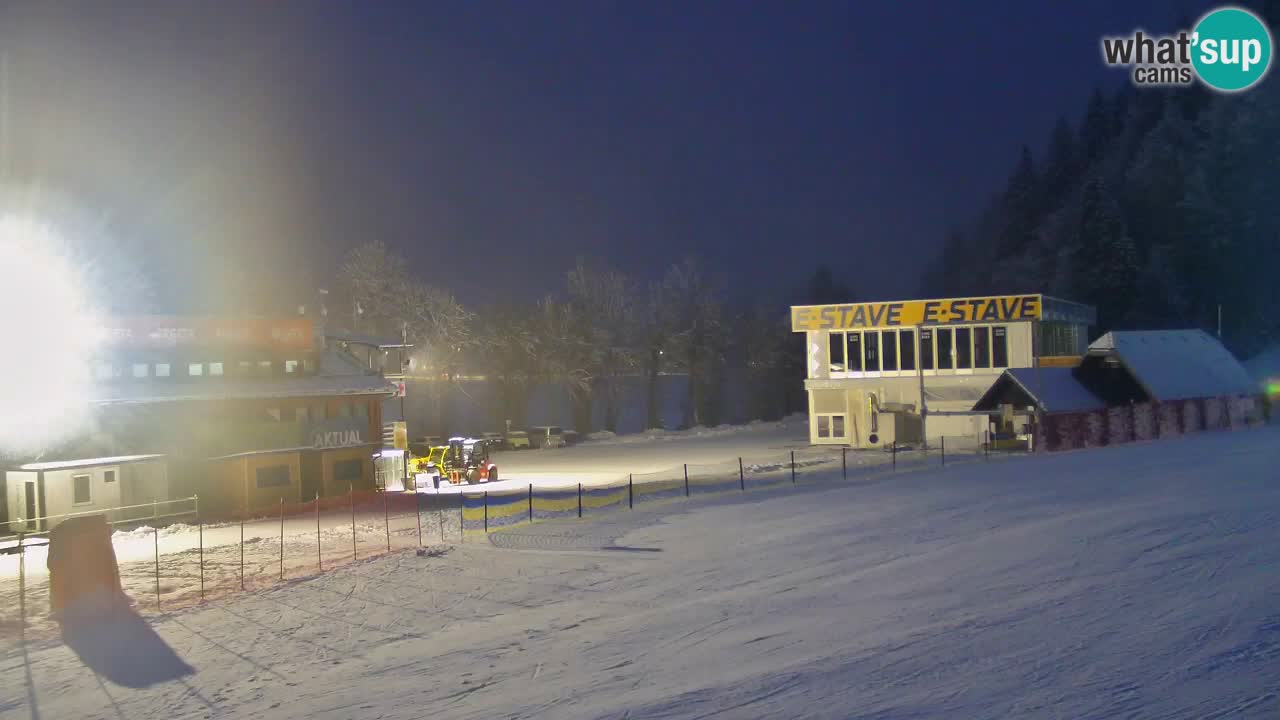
(579, 499)
(281, 538)
(530, 502)
(319, 554)
(686, 479)
(351, 493)
(417, 511)
(155, 533)
(486, 511)
(386, 517)
(942, 441)
(793, 467)
(631, 493)
(742, 477)
(242, 551)
(844, 463)
(200, 526)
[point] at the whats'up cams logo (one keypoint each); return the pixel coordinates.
(1229, 50)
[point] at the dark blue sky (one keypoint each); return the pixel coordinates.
(241, 148)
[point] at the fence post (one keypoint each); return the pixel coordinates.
(893, 452)
(351, 493)
(631, 494)
(530, 502)
(319, 554)
(22, 585)
(793, 467)
(986, 446)
(942, 443)
(200, 526)
(579, 499)
(155, 533)
(462, 517)
(242, 551)
(486, 511)
(844, 463)
(417, 511)
(742, 477)
(686, 479)
(282, 538)
(386, 517)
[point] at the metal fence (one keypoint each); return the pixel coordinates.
(171, 556)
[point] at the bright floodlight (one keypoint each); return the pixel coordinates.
(49, 338)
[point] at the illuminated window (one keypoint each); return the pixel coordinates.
(140, 370)
(926, 349)
(290, 367)
(162, 369)
(195, 369)
(215, 368)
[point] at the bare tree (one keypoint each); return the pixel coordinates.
(695, 307)
(603, 303)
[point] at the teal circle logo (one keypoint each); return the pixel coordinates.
(1231, 49)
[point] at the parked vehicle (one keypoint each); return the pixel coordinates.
(495, 440)
(517, 440)
(547, 436)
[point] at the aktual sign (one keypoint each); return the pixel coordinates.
(338, 433)
(1004, 308)
(173, 330)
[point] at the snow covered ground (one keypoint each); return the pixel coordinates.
(1135, 581)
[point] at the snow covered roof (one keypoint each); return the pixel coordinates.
(1177, 364)
(88, 462)
(1054, 389)
(338, 374)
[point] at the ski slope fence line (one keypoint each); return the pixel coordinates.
(489, 511)
(168, 564)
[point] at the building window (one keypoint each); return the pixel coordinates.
(835, 352)
(264, 367)
(273, 414)
(273, 476)
(982, 347)
(319, 412)
(195, 369)
(889, 349)
(81, 488)
(907, 345)
(854, 351)
(349, 471)
(964, 348)
(362, 410)
(104, 371)
(109, 476)
(344, 410)
(871, 352)
(831, 426)
(926, 349)
(999, 347)
(301, 414)
(140, 370)
(945, 356)
(162, 369)
(215, 369)
(245, 367)
(290, 367)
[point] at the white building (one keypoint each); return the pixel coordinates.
(910, 370)
(41, 494)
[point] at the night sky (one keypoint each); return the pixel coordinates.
(237, 149)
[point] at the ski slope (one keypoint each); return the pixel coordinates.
(1139, 581)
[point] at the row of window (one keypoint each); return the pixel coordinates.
(242, 368)
(344, 471)
(963, 348)
(307, 413)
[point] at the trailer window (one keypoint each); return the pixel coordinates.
(945, 357)
(82, 489)
(964, 348)
(999, 347)
(982, 347)
(926, 349)
(907, 343)
(855, 351)
(835, 352)
(889, 349)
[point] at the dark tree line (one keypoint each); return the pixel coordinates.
(602, 328)
(1158, 207)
